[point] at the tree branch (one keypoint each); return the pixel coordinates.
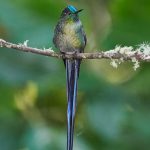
(141, 53)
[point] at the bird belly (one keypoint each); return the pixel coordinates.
(71, 38)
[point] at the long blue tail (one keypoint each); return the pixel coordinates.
(72, 72)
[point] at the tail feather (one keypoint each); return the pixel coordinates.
(72, 72)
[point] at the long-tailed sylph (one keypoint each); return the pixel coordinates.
(69, 37)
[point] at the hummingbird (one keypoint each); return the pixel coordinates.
(69, 38)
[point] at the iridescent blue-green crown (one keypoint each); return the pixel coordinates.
(72, 8)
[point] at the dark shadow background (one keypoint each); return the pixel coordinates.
(113, 110)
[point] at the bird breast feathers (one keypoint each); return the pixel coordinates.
(70, 31)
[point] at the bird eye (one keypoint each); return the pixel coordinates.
(67, 13)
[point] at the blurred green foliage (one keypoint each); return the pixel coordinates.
(113, 104)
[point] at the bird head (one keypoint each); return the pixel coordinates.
(70, 11)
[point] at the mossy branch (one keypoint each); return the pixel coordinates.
(117, 55)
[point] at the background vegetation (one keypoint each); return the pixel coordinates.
(113, 110)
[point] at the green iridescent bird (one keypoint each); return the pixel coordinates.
(69, 37)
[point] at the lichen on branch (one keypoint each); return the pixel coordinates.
(117, 55)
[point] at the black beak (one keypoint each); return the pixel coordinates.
(78, 11)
